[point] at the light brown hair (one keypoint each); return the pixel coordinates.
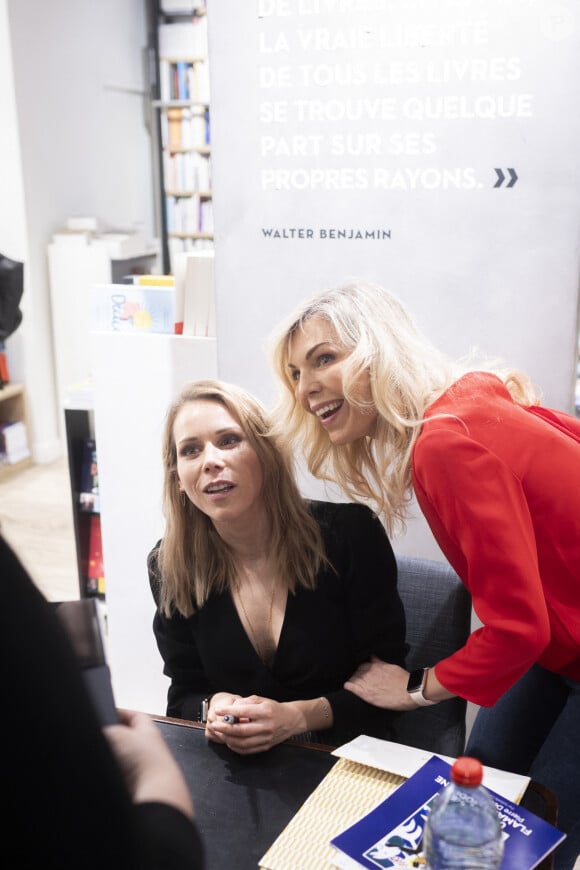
(194, 561)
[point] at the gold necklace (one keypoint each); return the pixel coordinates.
(257, 646)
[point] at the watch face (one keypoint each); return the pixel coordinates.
(416, 678)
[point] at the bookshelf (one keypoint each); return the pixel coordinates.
(13, 410)
(85, 498)
(180, 103)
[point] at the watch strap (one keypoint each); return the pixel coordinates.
(417, 694)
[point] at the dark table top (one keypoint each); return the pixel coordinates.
(243, 802)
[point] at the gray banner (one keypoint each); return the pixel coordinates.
(428, 145)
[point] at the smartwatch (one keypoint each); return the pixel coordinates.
(416, 687)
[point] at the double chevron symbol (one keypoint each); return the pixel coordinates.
(501, 177)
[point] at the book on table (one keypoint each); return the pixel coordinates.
(391, 834)
(367, 772)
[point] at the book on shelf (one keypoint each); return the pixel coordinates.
(4, 368)
(187, 172)
(186, 80)
(183, 215)
(181, 80)
(161, 281)
(136, 308)
(184, 127)
(391, 833)
(172, 139)
(13, 442)
(89, 479)
(198, 82)
(145, 280)
(95, 572)
(183, 39)
(182, 7)
(195, 280)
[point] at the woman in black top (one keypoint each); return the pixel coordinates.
(266, 602)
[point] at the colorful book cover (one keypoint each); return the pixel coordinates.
(95, 576)
(133, 308)
(391, 835)
(89, 500)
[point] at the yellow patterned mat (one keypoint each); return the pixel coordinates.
(347, 792)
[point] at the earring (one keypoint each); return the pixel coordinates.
(182, 497)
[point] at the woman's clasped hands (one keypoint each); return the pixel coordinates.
(262, 722)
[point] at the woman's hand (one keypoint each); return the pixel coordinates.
(149, 768)
(381, 684)
(385, 685)
(218, 700)
(263, 723)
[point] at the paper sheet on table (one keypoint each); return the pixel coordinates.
(405, 760)
(347, 792)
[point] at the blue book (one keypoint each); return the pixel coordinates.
(182, 82)
(391, 835)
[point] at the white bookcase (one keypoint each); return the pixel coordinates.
(135, 379)
(76, 262)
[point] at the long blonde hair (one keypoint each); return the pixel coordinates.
(407, 373)
(194, 561)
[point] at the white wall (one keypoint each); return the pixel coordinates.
(136, 379)
(13, 230)
(73, 142)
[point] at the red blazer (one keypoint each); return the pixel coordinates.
(499, 485)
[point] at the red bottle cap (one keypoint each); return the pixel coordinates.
(467, 771)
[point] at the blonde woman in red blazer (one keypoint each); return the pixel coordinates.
(378, 409)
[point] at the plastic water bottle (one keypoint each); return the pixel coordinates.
(463, 831)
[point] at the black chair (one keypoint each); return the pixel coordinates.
(438, 611)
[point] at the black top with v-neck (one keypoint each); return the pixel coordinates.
(326, 633)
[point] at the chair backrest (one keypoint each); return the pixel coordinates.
(438, 612)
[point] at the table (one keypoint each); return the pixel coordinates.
(243, 803)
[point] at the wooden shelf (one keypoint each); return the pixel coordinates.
(13, 409)
(176, 59)
(183, 194)
(208, 236)
(179, 104)
(9, 391)
(205, 150)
